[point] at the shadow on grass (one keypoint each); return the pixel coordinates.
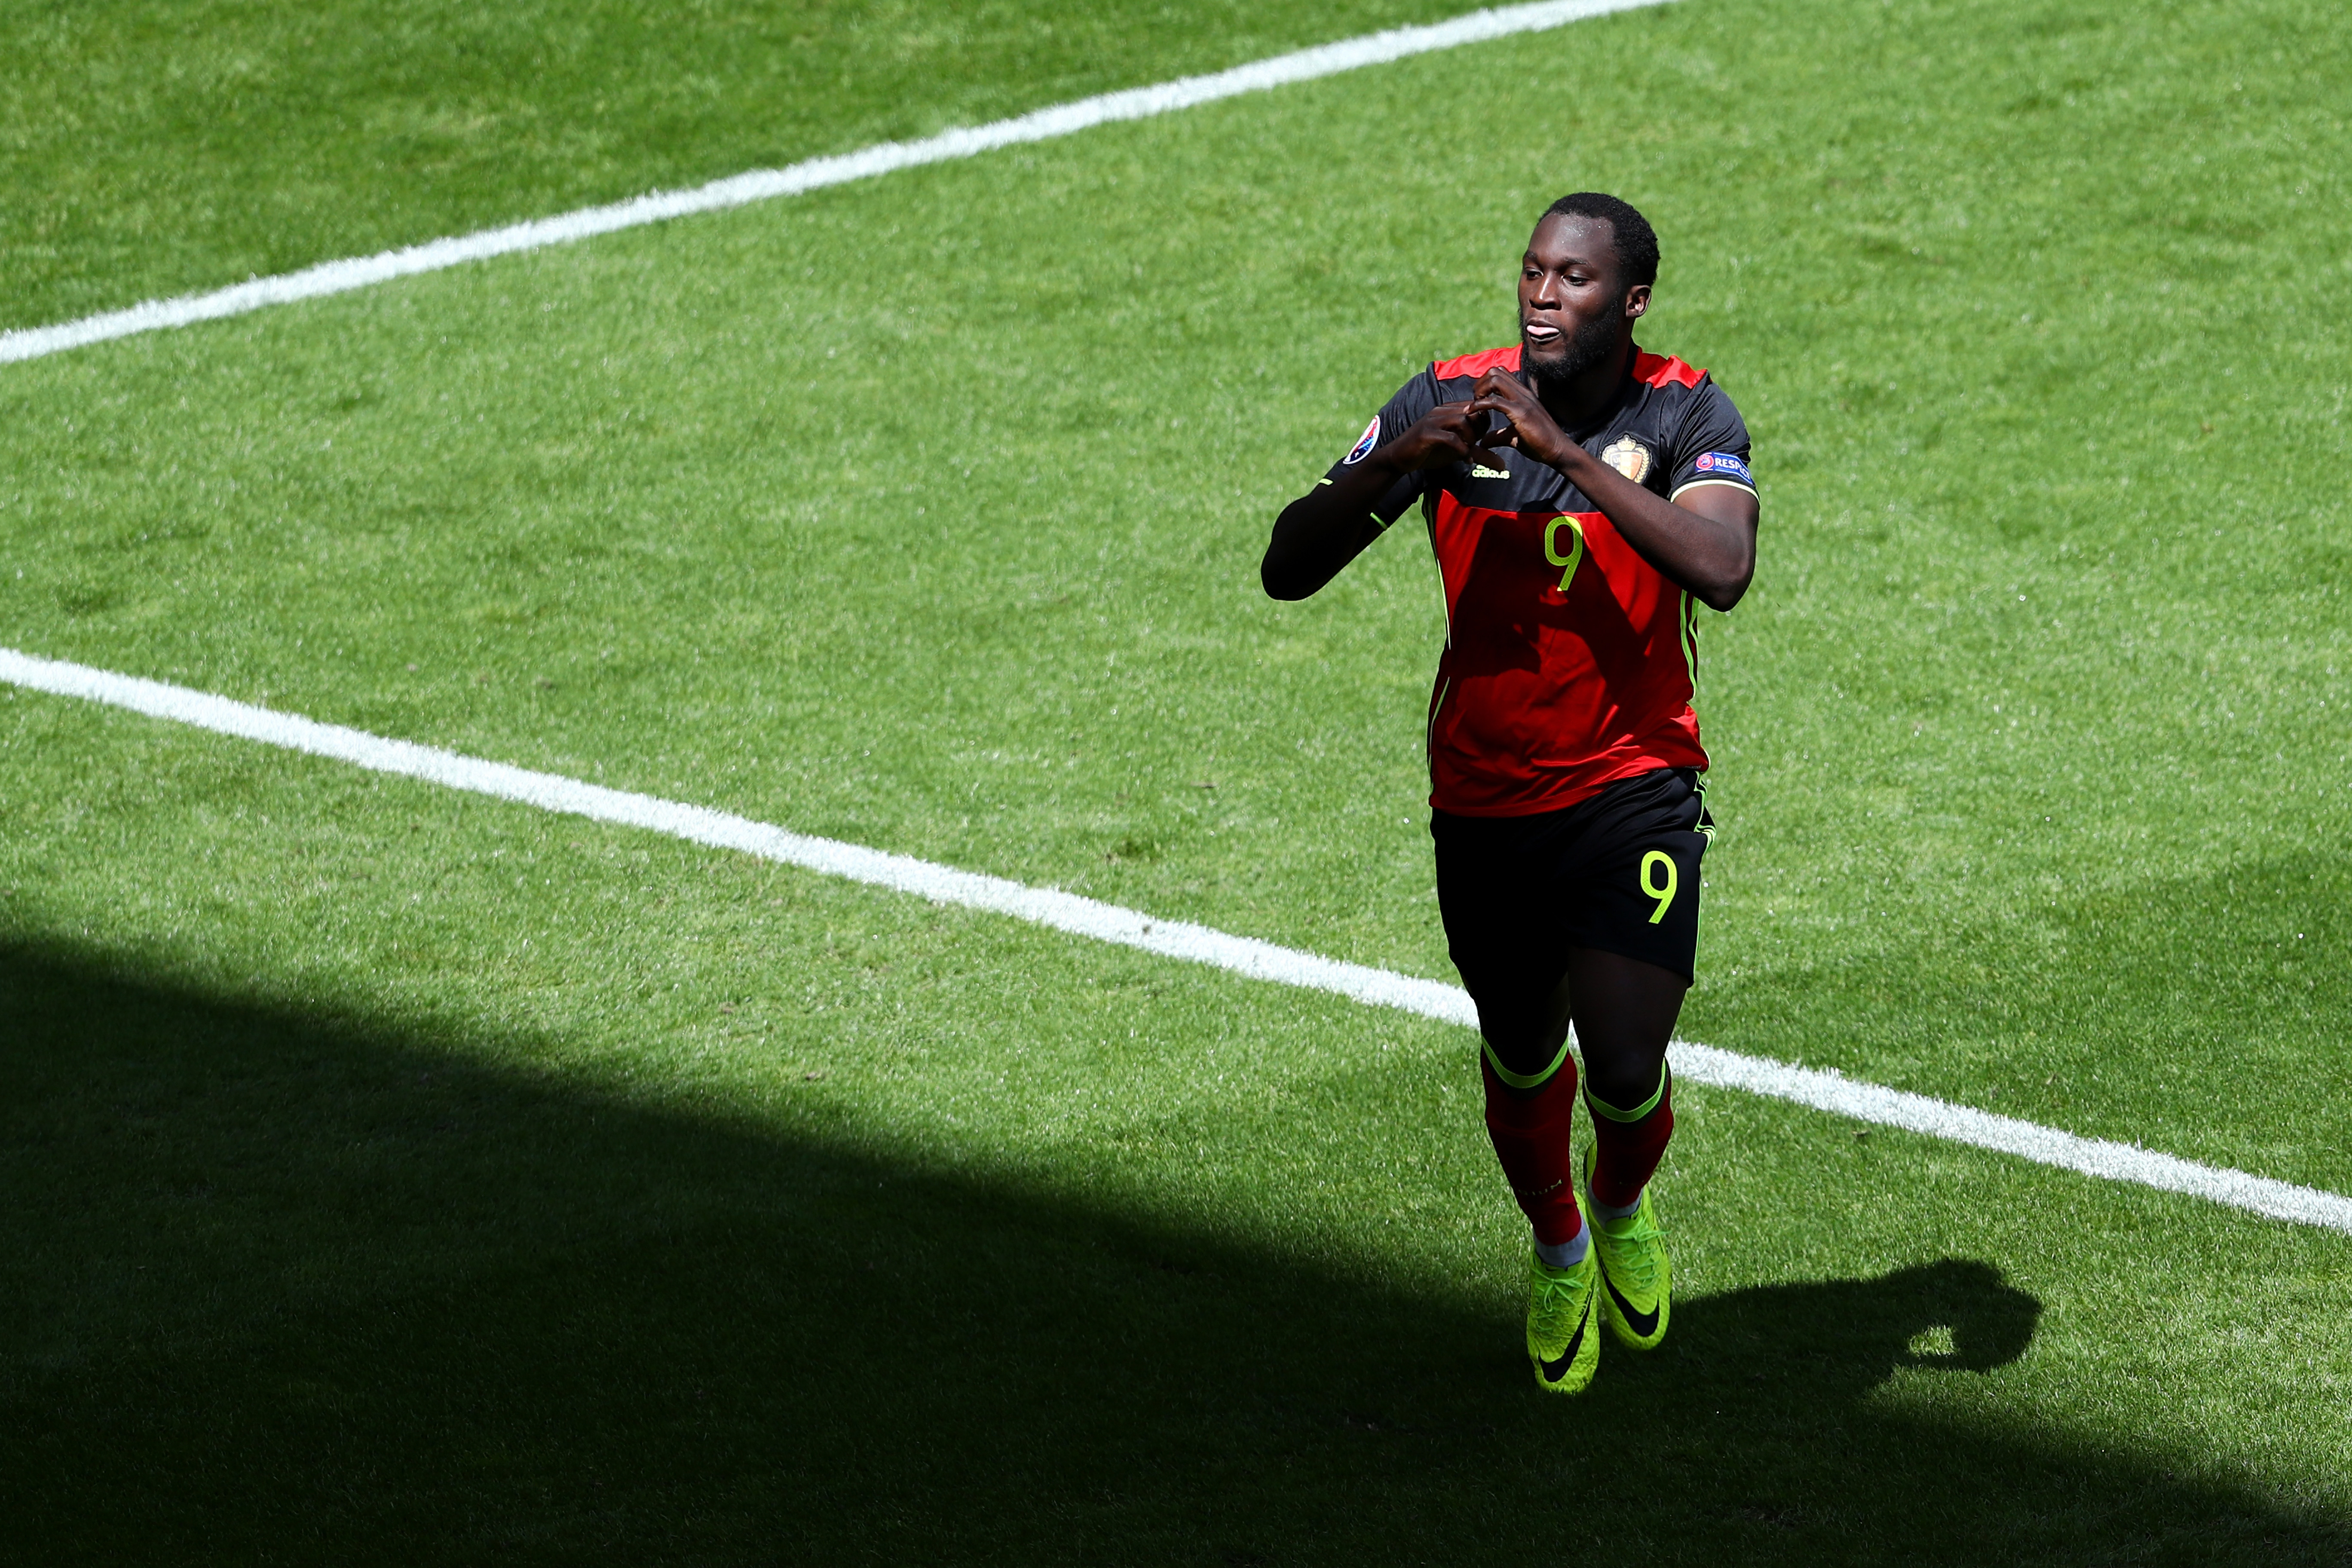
(295, 1288)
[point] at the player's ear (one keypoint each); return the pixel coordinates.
(1637, 300)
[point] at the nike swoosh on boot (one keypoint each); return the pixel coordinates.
(1643, 1325)
(1552, 1369)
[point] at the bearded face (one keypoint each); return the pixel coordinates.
(1569, 355)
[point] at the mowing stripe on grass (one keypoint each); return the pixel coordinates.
(1823, 1090)
(764, 184)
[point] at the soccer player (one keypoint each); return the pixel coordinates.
(1580, 495)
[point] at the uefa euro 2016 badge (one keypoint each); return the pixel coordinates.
(1371, 439)
(1628, 456)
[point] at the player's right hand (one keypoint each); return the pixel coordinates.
(1449, 433)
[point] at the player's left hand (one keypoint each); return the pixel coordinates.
(1525, 423)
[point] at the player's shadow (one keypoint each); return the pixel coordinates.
(287, 1285)
(1842, 1337)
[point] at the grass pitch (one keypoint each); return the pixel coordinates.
(150, 149)
(395, 1176)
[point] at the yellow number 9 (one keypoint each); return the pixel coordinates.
(1575, 554)
(1666, 895)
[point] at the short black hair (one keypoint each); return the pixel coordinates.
(1636, 242)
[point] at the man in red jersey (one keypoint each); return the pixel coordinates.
(1580, 495)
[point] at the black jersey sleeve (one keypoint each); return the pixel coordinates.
(1711, 447)
(1398, 415)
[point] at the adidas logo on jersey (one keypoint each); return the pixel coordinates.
(1483, 472)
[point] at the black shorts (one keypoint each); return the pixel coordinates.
(1618, 872)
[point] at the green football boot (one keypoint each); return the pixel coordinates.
(1636, 1279)
(1563, 1342)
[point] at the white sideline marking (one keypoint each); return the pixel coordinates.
(764, 184)
(1694, 1063)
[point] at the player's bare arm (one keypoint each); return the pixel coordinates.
(1322, 530)
(1704, 543)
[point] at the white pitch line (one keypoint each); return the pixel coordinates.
(765, 184)
(1084, 917)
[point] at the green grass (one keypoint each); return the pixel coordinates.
(701, 1208)
(408, 1177)
(150, 148)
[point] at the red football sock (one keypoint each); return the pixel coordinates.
(1627, 1146)
(1531, 1134)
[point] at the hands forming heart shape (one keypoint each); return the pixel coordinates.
(1503, 412)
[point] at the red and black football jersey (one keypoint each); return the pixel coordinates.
(1569, 661)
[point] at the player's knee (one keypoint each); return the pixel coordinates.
(1529, 1056)
(1622, 1077)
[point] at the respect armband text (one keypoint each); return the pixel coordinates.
(1722, 466)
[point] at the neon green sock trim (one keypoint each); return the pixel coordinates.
(1599, 1107)
(1519, 1080)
